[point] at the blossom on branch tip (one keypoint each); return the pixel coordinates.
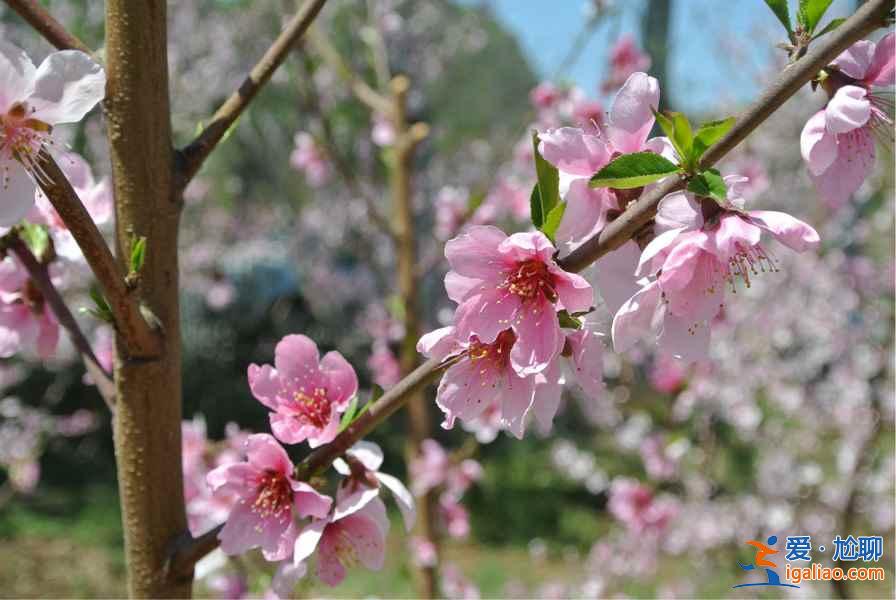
(511, 285)
(269, 501)
(307, 394)
(64, 88)
(837, 142)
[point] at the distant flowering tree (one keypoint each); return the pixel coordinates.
(666, 231)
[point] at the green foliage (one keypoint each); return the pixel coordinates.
(138, 254)
(810, 13)
(548, 186)
(100, 309)
(831, 26)
(634, 170)
(36, 238)
(779, 7)
(708, 134)
(709, 184)
(691, 145)
(568, 321)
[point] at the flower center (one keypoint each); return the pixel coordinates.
(529, 279)
(314, 408)
(21, 137)
(497, 353)
(274, 497)
(749, 260)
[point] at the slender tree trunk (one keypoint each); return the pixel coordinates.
(408, 282)
(656, 25)
(148, 412)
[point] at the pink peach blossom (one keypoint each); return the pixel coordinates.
(625, 58)
(503, 282)
(270, 499)
(837, 142)
(66, 86)
(310, 160)
(306, 393)
(636, 507)
(26, 321)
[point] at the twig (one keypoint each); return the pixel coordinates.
(187, 551)
(868, 18)
(38, 17)
(362, 91)
(194, 154)
(141, 341)
(41, 279)
(865, 20)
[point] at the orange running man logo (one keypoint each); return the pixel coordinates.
(763, 550)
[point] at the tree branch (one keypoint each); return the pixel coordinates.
(37, 16)
(141, 341)
(865, 20)
(41, 279)
(869, 17)
(194, 154)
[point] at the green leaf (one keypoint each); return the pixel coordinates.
(36, 238)
(677, 128)
(634, 170)
(138, 254)
(834, 24)
(811, 12)
(535, 210)
(552, 222)
(709, 184)
(779, 7)
(349, 415)
(548, 184)
(709, 133)
(567, 321)
(100, 309)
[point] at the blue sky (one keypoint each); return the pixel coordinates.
(705, 68)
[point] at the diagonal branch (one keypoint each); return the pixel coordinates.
(869, 17)
(38, 17)
(193, 155)
(141, 341)
(188, 551)
(41, 279)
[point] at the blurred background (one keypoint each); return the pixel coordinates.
(651, 491)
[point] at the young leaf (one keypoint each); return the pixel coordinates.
(349, 415)
(634, 170)
(779, 7)
(677, 128)
(100, 309)
(552, 221)
(710, 184)
(138, 254)
(36, 238)
(567, 321)
(834, 24)
(811, 12)
(709, 133)
(548, 181)
(535, 211)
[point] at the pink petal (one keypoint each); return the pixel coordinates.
(654, 255)
(856, 60)
(631, 116)
(854, 162)
(574, 293)
(403, 498)
(466, 390)
(614, 275)
(342, 381)
(288, 429)
(678, 210)
(368, 454)
(817, 144)
(515, 398)
(278, 540)
(16, 192)
(486, 315)
(308, 502)
(265, 453)
(663, 146)
(459, 288)
(634, 320)
(573, 151)
(474, 254)
(849, 109)
(788, 230)
(242, 530)
(364, 533)
(296, 357)
(734, 231)
(527, 245)
(240, 478)
(882, 72)
(701, 299)
(587, 361)
(67, 85)
(16, 75)
(684, 339)
(586, 212)
(679, 266)
(548, 392)
(439, 344)
(348, 503)
(319, 437)
(539, 338)
(264, 383)
(307, 540)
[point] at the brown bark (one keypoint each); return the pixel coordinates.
(148, 412)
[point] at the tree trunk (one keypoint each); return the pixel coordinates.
(148, 411)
